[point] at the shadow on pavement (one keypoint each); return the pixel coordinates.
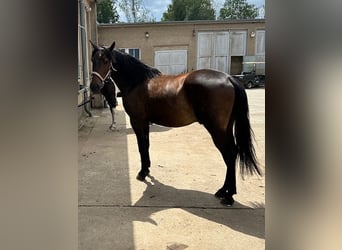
(159, 197)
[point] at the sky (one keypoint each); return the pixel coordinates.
(158, 7)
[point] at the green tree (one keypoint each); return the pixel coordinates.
(180, 10)
(238, 9)
(106, 11)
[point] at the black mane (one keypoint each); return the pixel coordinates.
(133, 71)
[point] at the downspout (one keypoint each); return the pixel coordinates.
(84, 57)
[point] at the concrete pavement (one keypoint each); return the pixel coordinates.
(175, 208)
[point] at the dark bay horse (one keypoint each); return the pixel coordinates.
(214, 99)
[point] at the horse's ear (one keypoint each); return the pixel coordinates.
(92, 44)
(112, 47)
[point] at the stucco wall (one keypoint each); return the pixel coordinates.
(171, 35)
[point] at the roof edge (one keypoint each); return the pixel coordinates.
(227, 21)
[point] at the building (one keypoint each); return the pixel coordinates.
(230, 46)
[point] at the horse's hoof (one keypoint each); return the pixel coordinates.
(227, 201)
(142, 175)
(140, 178)
(221, 193)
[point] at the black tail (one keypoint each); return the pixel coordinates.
(243, 132)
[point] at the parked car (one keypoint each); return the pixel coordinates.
(250, 79)
(260, 80)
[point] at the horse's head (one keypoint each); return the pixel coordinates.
(102, 66)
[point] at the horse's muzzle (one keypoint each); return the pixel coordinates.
(95, 87)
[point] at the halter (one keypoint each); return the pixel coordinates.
(103, 79)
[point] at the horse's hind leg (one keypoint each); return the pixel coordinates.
(229, 153)
(224, 141)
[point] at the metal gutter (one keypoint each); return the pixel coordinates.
(84, 57)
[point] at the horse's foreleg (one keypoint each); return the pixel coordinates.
(112, 111)
(142, 134)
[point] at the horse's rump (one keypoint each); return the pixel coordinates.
(212, 97)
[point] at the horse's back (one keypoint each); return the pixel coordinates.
(165, 86)
(208, 78)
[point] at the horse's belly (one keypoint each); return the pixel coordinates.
(171, 113)
(163, 121)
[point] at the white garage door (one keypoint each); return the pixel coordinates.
(213, 51)
(238, 42)
(216, 48)
(171, 62)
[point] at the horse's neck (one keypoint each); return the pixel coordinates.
(120, 83)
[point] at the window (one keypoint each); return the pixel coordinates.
(132, 51)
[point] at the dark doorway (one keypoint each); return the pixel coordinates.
(236, 65)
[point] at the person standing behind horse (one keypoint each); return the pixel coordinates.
(109, 92)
